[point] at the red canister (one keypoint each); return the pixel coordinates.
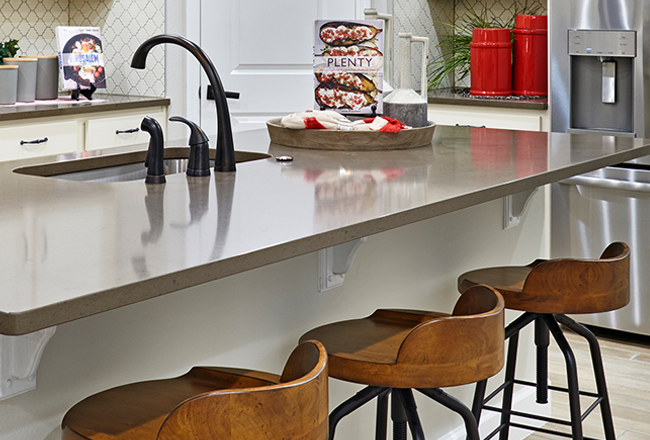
(491, 62)
(530, 76)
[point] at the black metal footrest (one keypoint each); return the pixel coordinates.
(532, 428)
(584, 415)
(548, 431)
(594, 405)
(554, 388)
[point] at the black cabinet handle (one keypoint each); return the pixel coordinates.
(130, 130)
(35, 141)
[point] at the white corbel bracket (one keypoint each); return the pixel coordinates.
(19, 359)
(514, 207)
(334, 262)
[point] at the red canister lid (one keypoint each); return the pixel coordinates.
(531, 22)
(490, 36)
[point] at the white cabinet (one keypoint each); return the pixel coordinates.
(263, 49)
(119, 131)
(490, 117)
(32, 140)
(82, 132)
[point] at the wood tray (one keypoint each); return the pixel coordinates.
(349, 140)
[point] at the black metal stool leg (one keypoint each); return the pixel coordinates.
(572, 377)
(457, 406)
(542, 341)
(410, 409)
(599, 372)
(398, 415)
(508, 390)
(511, 334)
(382, 416)
(479, 396)
(355, 402)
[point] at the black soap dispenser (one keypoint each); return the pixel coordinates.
(199, 163)
(154, 160)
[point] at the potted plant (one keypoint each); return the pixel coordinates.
(454, 56)
(8, 49)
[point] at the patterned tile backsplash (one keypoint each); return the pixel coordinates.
(124, 25)
(422, 18)
(430, 18)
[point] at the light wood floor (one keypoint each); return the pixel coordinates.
(627, 369)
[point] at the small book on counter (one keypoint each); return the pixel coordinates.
(81, 57)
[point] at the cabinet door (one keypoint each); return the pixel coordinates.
(263, 49)
(32, 140)
(120, 131)
(510, 119)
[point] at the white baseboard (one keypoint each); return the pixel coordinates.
(523, 399)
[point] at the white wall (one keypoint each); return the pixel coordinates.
(254, 319)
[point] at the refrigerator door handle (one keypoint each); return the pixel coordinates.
(599, 182)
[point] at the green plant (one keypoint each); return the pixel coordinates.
(8, 49)
(454, 49)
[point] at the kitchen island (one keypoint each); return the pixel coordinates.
(92, 254)
(74, 249)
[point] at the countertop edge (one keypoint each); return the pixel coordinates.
(512, 104)
(86, 107)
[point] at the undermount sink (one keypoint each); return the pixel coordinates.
(121, 167)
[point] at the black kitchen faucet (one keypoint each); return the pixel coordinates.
(225, 154)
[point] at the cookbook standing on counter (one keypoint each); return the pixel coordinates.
(348, 66)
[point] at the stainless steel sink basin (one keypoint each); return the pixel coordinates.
(124, 173)
(121, 167)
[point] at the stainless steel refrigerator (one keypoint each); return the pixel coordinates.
(600, 86)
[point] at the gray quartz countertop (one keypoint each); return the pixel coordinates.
(65, 106)
(73, 249)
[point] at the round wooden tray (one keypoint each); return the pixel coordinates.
(349, 140)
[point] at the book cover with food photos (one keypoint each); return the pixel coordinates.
(81, 57)
(348, 66)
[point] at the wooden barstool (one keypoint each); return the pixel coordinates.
(393, 351)
(213, 403)
(546, 291)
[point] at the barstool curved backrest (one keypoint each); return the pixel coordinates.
(464, 347)
(569, 285)
(296, 408)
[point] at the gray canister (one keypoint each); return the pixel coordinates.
(8, 84)
(26, 77)
(47, 77)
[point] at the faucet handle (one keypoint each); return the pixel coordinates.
(199, 162)
(210, 96)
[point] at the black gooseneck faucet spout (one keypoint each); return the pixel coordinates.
(225, 154)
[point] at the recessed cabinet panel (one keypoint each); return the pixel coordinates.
(33, 140)
(266, 55)
(119, 131)
(277, 35)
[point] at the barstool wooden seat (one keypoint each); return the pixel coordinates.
(213, 403)
(547, 290)
(394, 351)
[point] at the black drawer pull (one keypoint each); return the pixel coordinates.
(130, 130)
(35, 141)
